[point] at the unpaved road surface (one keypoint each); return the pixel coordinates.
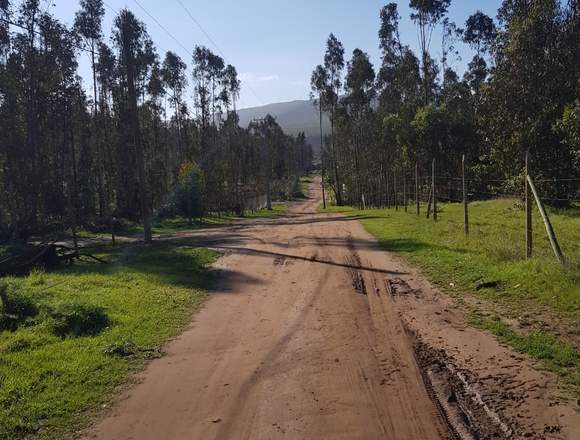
(314, 333)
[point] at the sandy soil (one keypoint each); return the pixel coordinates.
(314, 333)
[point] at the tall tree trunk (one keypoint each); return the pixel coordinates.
(335, 162)
(136, 138)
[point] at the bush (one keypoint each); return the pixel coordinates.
(190, 190)
(15, 310)
(72, 319)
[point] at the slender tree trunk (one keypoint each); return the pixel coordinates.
(321, 152)
(335, 160)
(136, 137)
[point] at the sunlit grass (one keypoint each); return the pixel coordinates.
(48, 382)
(493, 251)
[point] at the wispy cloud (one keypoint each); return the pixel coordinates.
(251, 77)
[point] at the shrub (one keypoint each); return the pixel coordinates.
(15, 310)
(73, 319)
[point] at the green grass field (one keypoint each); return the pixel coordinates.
(529, 291)
(86, 328)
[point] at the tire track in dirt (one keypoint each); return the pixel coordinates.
(287, 347)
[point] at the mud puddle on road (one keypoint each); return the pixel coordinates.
(456, 396)
(453, 390)
(353, 263)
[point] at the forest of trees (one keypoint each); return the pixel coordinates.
(132, 146)
(520, 92)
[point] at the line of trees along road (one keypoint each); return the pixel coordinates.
(70, 160)
(520, 92)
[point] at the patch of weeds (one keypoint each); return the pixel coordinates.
(76, 319)
(128, 348)
(125, 348)
(37, 277)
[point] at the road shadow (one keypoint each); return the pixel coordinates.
(271, 254)
(226, 279)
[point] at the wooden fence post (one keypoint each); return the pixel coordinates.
(387, 191)
(323, 193)
(434, 190)
(547, 224)
(429, 200)
(405, 188)
(417, 188)
(465, 212)
(395, 195)
(529, 242)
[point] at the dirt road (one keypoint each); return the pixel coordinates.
(303, 339)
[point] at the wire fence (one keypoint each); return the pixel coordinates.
(554, 233)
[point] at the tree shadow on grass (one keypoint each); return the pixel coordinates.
(177, 265)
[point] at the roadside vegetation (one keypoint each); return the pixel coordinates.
(540, 297)
(70, 338)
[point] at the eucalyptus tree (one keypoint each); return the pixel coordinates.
(232, 85)
(270, 134)
(360, 92)
(4, 28)
(530, 89)
(88, 24)
(450, 34)
(427, 14)
(173, 74)
(391, 53)
(480, 32)
(319, 86)
(216, 71)
(130, 36)
(202, 83)
(334, 65)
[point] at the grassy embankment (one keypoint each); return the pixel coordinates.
(532, 293)
(71, 337)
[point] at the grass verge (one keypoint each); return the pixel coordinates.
(89, 327)
(557, 356)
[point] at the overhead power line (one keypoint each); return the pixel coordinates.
(163, 28)
(190, 15)
(36, 32)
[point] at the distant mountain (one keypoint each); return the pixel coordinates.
(293, 117)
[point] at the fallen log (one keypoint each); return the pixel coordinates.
(45, 256)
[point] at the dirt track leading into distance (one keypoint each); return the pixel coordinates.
(315, 333)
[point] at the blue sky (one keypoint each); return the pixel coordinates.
(274, 44)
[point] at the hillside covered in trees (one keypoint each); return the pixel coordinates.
(520, 93)
(135, 145)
